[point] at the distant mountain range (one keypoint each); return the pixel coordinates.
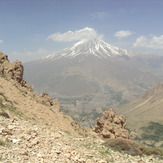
(93, 74)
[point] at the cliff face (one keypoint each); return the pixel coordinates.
(111, 125)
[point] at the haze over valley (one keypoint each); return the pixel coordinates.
(93, 74)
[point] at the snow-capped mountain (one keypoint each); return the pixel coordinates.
(87, 47)
(93, 73)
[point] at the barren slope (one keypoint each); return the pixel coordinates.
(30, 107)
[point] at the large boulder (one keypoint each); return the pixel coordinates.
(111, 125)
(11, 70)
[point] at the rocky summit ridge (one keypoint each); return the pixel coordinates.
(33, 130)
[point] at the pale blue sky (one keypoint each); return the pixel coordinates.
(29, 29)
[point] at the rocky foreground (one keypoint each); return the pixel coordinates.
(22, 142)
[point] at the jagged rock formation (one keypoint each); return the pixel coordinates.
(111, 125)
(15, 72)
(12, 70)
(47, 100)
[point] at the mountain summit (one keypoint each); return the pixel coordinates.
(88, 47)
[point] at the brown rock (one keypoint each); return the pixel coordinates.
(56, 105)
(47, 100)
(26, 137)
(3, 61)
(109, 115)
(111, 125)
(34, 142)
(23, 152)
(23, 83)
(3, 58)
(6, 132)
(119, 120)
(13, 71)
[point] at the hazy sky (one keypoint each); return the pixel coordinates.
(31, 29)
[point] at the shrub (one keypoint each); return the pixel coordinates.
(5, 142)
(153, 132)
(131, 147)
(4, 114)
(2, 143)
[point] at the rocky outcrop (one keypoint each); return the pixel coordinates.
(15, 72)
(47, 100)
(12, 70)
(111, 125)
